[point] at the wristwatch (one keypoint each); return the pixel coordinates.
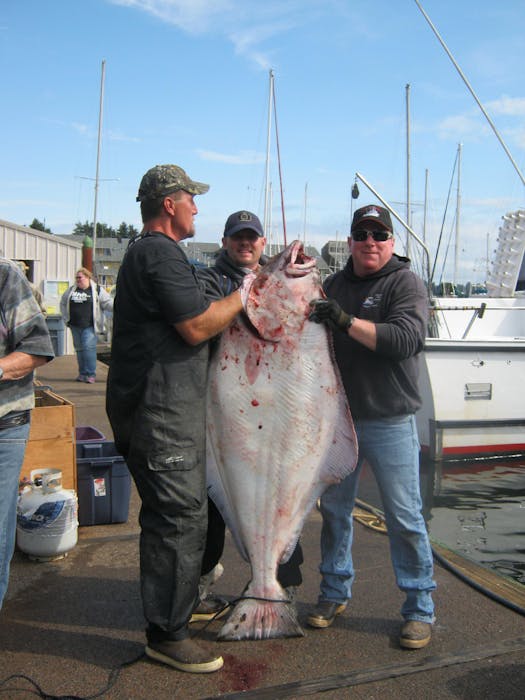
(351, 319)
(1, 373)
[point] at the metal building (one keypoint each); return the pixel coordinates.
(51, 265)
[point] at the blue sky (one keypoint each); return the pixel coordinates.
(186, 81)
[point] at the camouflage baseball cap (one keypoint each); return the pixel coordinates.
(165, 179)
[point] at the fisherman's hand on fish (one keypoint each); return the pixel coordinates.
(328, 311)
(245, 287)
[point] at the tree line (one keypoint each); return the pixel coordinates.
(86, 229)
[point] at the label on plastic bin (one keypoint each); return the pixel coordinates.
(99, 487)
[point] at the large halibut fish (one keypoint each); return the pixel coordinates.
(279, 432)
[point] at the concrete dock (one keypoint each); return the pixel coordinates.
(67, 625)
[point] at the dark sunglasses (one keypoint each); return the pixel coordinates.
(379, 235)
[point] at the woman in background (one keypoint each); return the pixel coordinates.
(82, 307)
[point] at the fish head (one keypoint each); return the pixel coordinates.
(278, 303)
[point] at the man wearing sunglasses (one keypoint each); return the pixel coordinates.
(378, 309)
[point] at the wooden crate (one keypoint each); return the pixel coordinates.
(52, 437)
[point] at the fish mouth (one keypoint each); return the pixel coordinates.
(297, 263)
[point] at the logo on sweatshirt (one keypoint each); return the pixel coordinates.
(372, 301)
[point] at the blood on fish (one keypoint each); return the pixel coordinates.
(255, 402)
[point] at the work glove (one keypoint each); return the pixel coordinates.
(245, 287)
(328, 311)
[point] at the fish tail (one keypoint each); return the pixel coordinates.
(255, 618)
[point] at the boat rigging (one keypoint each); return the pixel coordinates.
(267, 198)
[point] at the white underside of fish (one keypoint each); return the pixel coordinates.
(279, 432)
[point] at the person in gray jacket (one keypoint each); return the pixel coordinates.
(83, 308)
(24, 345)
(378, 309)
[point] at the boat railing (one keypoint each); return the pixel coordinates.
(486, 319)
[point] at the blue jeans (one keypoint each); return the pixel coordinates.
(85, 344)
(391, 448)
(12, 450)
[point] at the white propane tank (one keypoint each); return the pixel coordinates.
(47, 517)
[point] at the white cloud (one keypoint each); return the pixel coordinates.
(119, 136)
(89, 132)
(246, 24)
(461, 125)
(82, 129)
(518, 136)
(25, 202)
(242, 158)
(508, 106)
(193, 16)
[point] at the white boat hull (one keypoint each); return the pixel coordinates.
(473, 394)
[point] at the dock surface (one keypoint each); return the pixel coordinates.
(67, 625)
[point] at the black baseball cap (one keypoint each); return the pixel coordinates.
(242, 220)
(372, 212)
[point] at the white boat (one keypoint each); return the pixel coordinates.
(473, 369)
(473, 374)
(472, 377)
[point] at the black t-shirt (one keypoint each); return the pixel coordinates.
(81, 308)
(156, 288)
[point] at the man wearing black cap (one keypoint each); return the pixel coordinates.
(243, 243)
(378, 309)
(156, 405)
(242, 253)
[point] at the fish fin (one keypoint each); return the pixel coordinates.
(271, 615)
(260, 619)
(218, 495)
(341, 459)
(290, 547)
(267, 327)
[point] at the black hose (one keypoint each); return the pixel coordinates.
(482, 589)
(446, 564)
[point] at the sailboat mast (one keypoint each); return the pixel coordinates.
(425, 207)
(304, 220)
(458, 206)
(267, 178)
(408, 217)
(279, 165)
(100, 114)
(456, 66)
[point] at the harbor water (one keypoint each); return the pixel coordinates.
(474, 508)
(477, 509)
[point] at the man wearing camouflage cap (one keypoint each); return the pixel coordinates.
(156, 405)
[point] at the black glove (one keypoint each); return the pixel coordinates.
(328, 311)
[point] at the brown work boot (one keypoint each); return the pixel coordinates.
(210, 608)
(325, 613)
(415, 634)
(184, 655)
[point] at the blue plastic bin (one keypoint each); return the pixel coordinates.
(103, 484)
(57, 331)
(87, 433)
